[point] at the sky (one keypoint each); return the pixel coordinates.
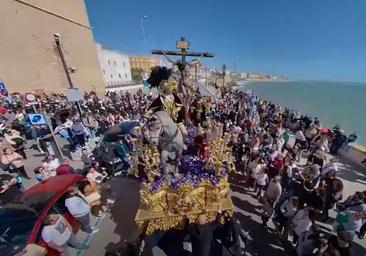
(300, 39)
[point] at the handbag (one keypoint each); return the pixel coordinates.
(95, 196)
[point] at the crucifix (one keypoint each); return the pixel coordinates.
(183, 45)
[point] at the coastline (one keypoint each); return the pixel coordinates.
(241, 83)
(354, 153)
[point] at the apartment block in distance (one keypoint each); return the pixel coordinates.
(146, 63)
(115, 67)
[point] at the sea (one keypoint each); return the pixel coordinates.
(342, 103)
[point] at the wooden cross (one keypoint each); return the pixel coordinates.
(183, 46)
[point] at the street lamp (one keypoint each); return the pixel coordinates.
(142, 19)
(223, 74)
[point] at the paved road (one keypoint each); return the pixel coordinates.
(118, 226)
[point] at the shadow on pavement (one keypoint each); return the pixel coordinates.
(267, 242)
(352, 173)
(245, 205)
(172, 243)
(126, 193)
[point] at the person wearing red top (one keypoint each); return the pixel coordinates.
(279, 162)
(65, 168)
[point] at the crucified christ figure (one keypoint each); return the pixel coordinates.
(186, 87)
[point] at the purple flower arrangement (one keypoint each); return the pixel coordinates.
(191, 134)
(156, 184)
(194, 173)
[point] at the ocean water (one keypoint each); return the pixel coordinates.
(342, 103)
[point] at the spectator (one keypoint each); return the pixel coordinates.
(261, 182)
(43, 174)
(94, 175)
(10, 188)
(331, 166)
(334, 189)
(338, 245)
(57, 233)
(285, 213)
(79, 208)
(91, 192)
(86, 159)
(51, 162)
(302, 222)
(65, 133)
(78, 131)
(14, 162)
(65, 168)
(3, 145)
(270, 199)
(16, 141)
(92, 124)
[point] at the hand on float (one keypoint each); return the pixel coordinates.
(142, 246)
(220, 208)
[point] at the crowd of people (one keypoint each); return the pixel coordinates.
(279, 154)
(283, 158)
(17, 133)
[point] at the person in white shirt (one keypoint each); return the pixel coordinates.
(300, 137)
(79, 208)
(256, 168)
(302, 221)
(57, 233)
(261, 181)
(94, 175)
(280, 143)
(331, 166)
(292, 167)
(51, 162)
(287, 210)
(270, 199)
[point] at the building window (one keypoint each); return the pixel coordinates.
(126, 75)
(111, 76)
(115, 63)
(103, 71)
(124, 64)
(109, 62)
(119, 75)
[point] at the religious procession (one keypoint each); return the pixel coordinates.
(183, 159)
(108, 154)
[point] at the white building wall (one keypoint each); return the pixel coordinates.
(164, 62)
(115, 67)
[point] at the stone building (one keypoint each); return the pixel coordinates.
(29, 58)
(143, 62)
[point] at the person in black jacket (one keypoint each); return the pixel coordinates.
(232, 233)
(201, 234)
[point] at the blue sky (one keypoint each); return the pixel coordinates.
(301, 39)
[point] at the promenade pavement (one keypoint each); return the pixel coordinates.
(117, 227)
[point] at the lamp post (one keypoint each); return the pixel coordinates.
(67, 69)
(62, 57)
(223, 74)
